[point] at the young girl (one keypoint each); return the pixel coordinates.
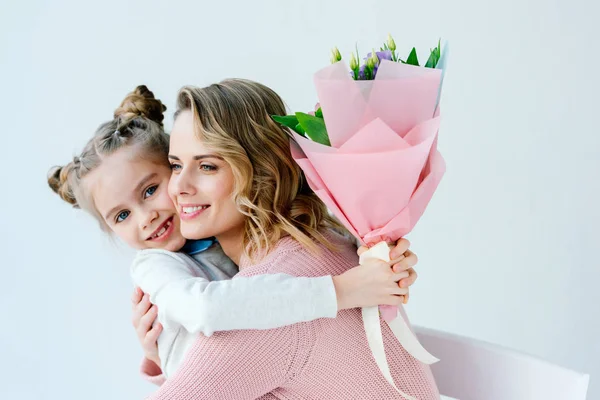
(234, 178)
(122, 176)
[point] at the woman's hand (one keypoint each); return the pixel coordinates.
(144, 315)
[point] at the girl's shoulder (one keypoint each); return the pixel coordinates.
(160, 256)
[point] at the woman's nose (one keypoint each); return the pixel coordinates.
(181, 184)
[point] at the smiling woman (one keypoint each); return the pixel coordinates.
(234, 178)
(206, 205)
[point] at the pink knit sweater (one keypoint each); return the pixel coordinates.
(322, 359)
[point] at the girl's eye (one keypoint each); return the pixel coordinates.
(175, 167)
(150, 191)
(208, 168)
(122, 216)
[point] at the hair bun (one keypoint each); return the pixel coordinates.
(58, 180)
(141, 102)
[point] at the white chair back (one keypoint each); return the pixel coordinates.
(473, 370)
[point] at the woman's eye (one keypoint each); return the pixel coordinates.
(208, 168)
(175, 167)
(122, 216)
(150, 191)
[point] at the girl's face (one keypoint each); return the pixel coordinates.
(131, 196)
(201, 186)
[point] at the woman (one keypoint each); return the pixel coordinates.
(234, 178)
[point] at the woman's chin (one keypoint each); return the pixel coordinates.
(195, 232)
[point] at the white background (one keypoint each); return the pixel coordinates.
(508, 246)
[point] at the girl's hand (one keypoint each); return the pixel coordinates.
(378, 282)
(402, 260)
(144, 315)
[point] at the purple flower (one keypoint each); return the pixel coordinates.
(361, 73)
(381, 55)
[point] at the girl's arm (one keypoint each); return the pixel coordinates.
(147, 332)
(257, 302)
(263, 302)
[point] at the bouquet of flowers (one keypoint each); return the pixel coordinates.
(369, 151)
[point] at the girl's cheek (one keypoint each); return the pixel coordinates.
(166, 200)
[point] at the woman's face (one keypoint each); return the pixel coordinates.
(201, 185)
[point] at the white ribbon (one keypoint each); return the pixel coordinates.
(398, 326)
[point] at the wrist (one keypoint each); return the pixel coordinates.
(341, 292)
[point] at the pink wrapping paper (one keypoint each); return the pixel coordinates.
(383, 166)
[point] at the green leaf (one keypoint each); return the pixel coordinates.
(434, 56)
(412, 58)
(433, 59)
(289, 121)
(300, 130)
(319, 113)
(314, 127)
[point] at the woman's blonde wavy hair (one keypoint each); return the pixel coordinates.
(137, 123)
(233, 119)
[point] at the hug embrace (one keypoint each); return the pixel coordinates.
(248, 288)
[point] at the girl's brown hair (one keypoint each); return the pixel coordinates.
(137, 123)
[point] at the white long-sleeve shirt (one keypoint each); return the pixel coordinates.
(195, 295)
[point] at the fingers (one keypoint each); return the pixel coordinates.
(140, 309)
(409, 280)
(399, 276)
(361, 250)
(398, 290)
(136, 296)
(401, 247)
(402, 264)
(147, 320)
(153, 334)
(393, 300)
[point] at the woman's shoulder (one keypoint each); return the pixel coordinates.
(292, 257)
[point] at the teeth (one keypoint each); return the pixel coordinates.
(189, 210)
(162, 230)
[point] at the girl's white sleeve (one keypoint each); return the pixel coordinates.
(186, 298)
